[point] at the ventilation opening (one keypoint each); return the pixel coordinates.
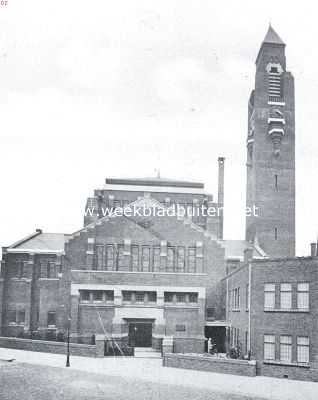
(276, 182)
(285, 376)
(274, 85)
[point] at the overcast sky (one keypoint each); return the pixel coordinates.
(120, 88)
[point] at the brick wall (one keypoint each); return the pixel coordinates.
(210, 364)
(48, 347)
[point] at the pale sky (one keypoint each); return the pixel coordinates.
(91, 90)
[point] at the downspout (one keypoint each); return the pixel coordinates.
(249, 304)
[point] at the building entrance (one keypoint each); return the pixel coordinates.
(140, 334)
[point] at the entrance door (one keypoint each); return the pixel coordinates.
(140, 334)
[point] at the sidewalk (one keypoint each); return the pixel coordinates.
(151, 370)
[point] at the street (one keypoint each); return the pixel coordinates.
(25, 382)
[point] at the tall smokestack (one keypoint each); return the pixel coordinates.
(221, 195)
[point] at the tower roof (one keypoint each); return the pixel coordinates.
(272, 37)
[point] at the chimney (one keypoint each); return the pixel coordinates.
(248, 254)
(313, 249)
(221, 196)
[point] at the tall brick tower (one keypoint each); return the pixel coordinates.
(271, 152)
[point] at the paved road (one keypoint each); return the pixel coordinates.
(19, 381)
(143, 373)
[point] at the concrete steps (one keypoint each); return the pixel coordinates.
(146, 352)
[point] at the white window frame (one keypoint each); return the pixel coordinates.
(269, 295)
(269, 347)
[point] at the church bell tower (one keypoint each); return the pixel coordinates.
(270, 197)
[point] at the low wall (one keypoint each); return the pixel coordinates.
(48, 347)
(211, 364)
(188, 345)
(279, 370)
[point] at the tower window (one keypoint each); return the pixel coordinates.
(276, 233)
(276, 182)
(274, 70)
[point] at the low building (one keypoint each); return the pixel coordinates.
(272, 315)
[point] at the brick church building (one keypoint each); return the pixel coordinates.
(139, 279)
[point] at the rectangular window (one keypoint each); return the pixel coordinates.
(168, 297)
(135, 258)
(193, 297)
(156, 258)
(303, 296)
(145, 258)
(269, 347)
(109, 295)
(109, 257)
(117, 203)
(269, 295)
(84, 295)
(191, 260)
(286, 348)
(51, 270)
(11, 315)
(127, 296)
(180, 328)
(181, 259)
(51, 318)
(152, 297)
(170, 259)
(99, 257)
(238, 305)
(121, 259)
(286, 296)
(247, 295)
(20, 269)
(275, 233)
(97, 295)
(210, 313)
(20, 317)
(303, 349)
(181, 297)
(140, 297)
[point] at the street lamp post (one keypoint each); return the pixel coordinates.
(68, 343)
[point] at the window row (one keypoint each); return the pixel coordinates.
(180, 297)
(17, 317)
(48, 270)
(187, 207)
(102, 296)
(288, 298)
(285, 349)
(135, 296)
(112, 257)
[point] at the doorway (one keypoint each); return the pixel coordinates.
(140, 334)
(218, 336)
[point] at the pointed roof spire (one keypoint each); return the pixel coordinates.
(272, 37)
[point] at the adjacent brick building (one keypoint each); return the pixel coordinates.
(272, 308)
